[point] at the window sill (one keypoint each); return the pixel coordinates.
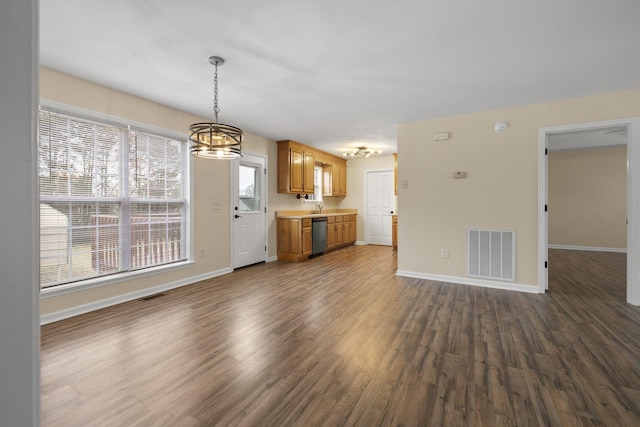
(111, 279)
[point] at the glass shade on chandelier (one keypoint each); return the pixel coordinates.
(213, 140)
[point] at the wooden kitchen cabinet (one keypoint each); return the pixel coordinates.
(350, 229)
(395, 173)
(294, 238)
(394, 232)
(307, 237)
(295, 235)
(327, 179)
(339, 178)
(339, 231)
(295, 168)
(331, 232)
(296, 163)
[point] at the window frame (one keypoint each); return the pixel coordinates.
(187, 161)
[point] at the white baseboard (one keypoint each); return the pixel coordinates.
(360, 242)
(587, 248)
(272, 258)
(108, 302)
(507, 286)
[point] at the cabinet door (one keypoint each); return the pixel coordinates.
(307, 241)
(288, 236)
(327, 180)
(340, 178)
(395, 173)
(307, 180)
(394, 231)
(339, 233)
(331, 235)
(297, 173)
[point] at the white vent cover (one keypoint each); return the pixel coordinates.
(491, 254)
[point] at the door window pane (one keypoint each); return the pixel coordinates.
(248, 188)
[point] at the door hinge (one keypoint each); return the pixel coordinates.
(265, 248)
(265, 171)
(546, 208)
(546, 264)
(265, 209)
(546, 151)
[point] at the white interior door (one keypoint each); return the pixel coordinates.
(249, 211)
(380, 206)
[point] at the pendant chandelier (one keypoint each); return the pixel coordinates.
(215, 140)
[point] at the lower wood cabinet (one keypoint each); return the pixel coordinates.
(394, 232)
(295, 235)
(295, 238)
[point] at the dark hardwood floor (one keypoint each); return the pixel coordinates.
(340, 340)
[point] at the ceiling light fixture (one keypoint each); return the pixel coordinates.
(215, 140)
(362, 151)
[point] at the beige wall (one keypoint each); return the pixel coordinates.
(211, 228)
(588, 198)
(501, 190)
(355, 199)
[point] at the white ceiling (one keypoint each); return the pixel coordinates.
(338, 74)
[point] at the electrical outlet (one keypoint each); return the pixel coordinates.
(405, 183)
(201, 252)
(444, 253)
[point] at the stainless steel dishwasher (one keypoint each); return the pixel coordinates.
(319, 235)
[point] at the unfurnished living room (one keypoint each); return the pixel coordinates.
(338, 213)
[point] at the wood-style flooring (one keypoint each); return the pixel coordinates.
(339, 340)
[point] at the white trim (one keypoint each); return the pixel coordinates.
(112, 279)
(587, 248)
(633, 212)
(108, 302)
(360, 243)
(633, 199)
(470, 281)
(543, 234)
(272, 258)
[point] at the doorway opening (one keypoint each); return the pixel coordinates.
(572, 157)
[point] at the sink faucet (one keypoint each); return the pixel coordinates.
(319, 207)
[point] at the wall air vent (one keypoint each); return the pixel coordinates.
(491, 254)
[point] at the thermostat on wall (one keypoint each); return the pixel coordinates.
(459, 175)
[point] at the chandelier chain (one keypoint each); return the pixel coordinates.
(216, 109)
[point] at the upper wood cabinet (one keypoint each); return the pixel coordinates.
(295, 168)
(296, 164)
(340, 178)
(327, 179)
(395, 173)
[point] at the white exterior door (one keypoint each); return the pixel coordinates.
(249, 211)
(380, 206)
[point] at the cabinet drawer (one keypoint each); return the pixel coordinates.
(306, 222)
(338, 218)
(331, 220)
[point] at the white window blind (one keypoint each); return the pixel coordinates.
(112, 199)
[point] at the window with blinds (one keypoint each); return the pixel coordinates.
(112, 199)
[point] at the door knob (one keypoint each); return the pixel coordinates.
(237, 216)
